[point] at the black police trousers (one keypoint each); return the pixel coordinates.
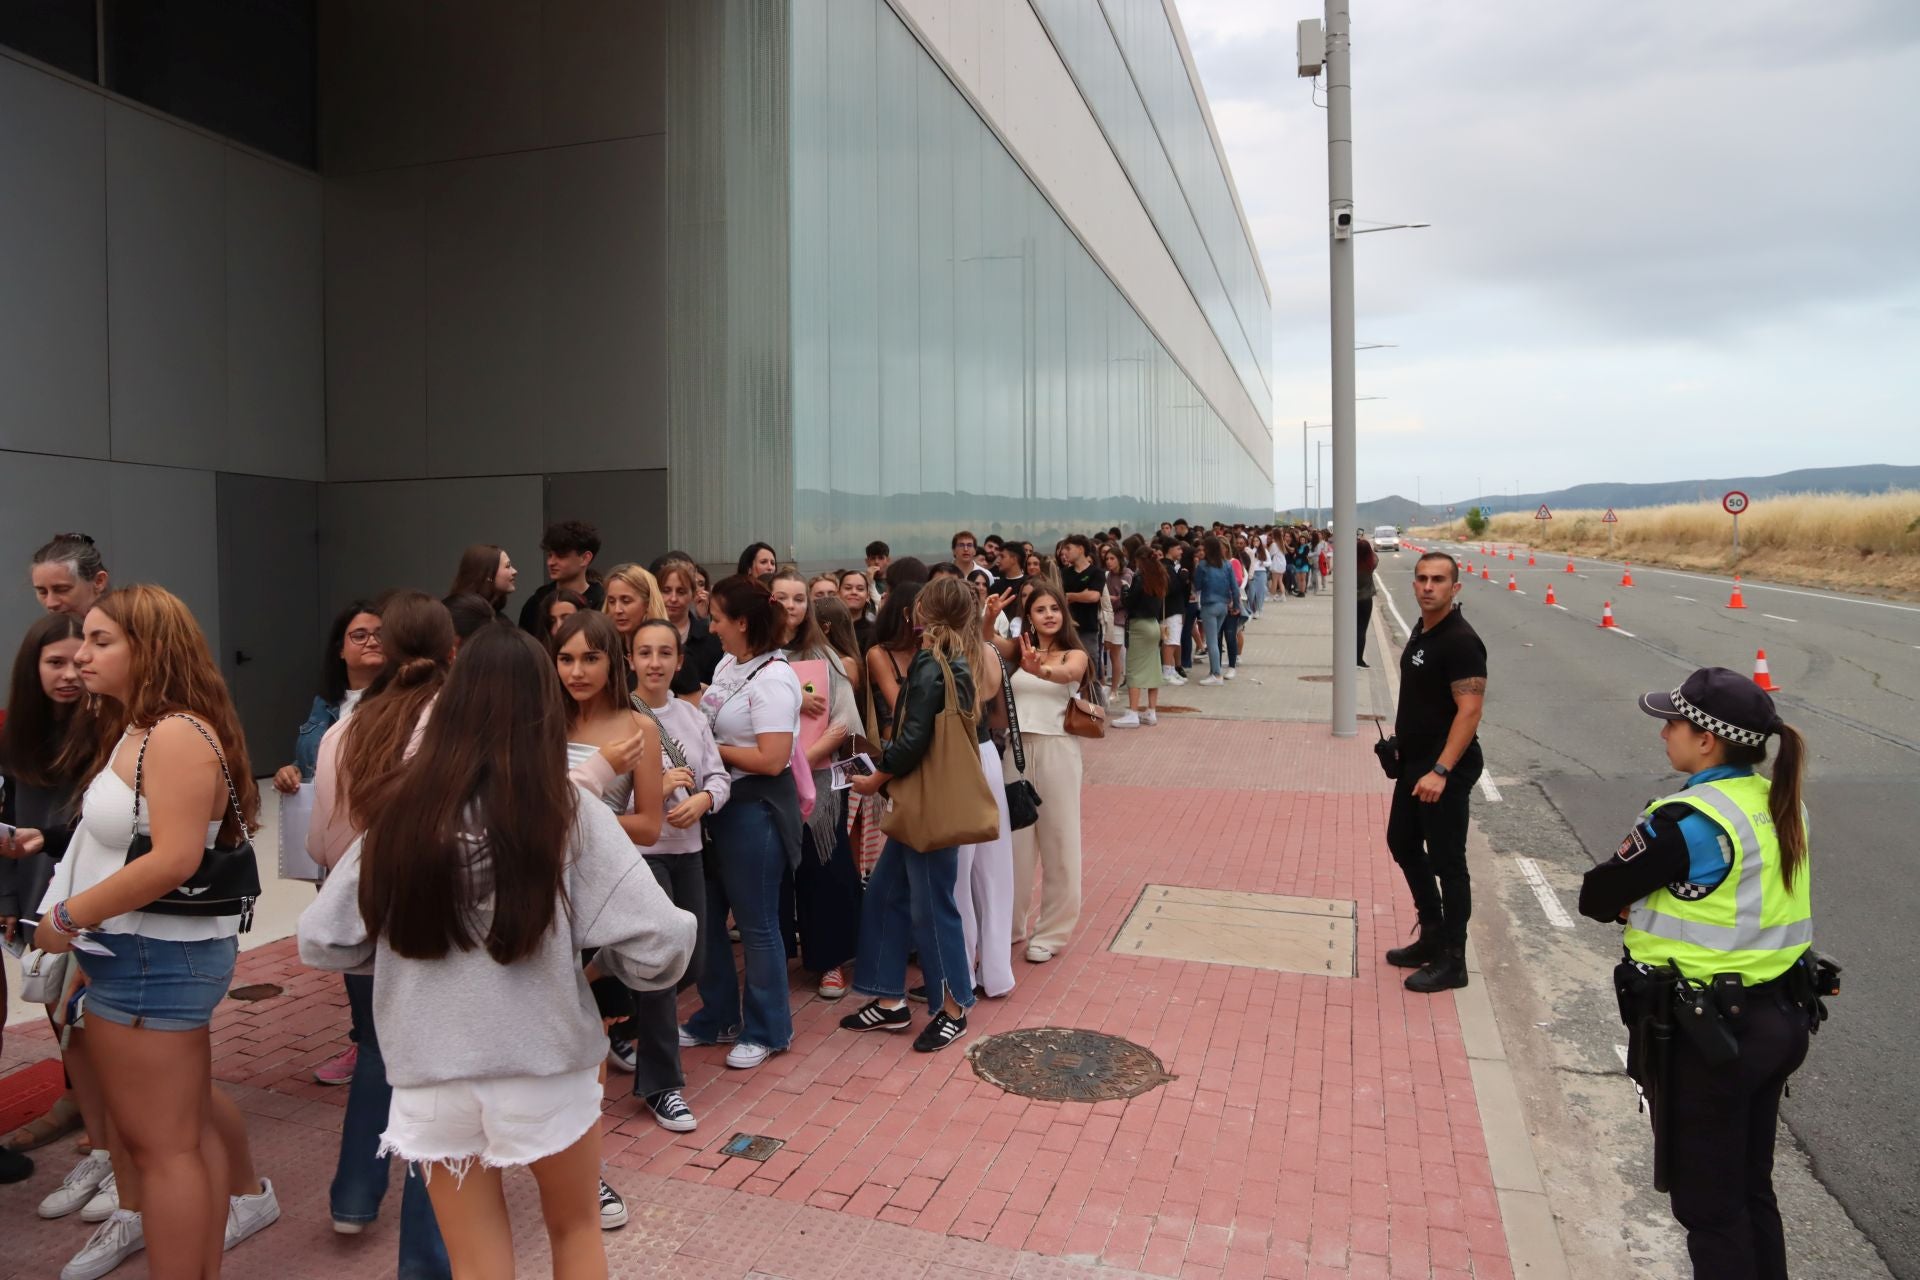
(1720, 1165)
(1429, 841)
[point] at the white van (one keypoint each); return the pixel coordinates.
(1386, 538)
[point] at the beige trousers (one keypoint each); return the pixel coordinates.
(1051, 845)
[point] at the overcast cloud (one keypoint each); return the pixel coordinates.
(1670, 240)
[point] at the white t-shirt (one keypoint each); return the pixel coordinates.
(745, 700)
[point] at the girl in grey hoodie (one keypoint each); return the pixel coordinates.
(484, 874)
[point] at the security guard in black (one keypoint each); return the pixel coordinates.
(1443, 682)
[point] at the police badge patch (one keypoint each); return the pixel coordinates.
(1633, 846)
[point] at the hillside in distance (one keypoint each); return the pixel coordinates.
(1872, 478)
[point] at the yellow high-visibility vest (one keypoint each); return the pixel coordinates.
(1752, 924)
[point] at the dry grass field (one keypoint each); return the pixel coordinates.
(1851, 542)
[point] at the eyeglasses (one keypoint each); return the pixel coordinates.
(363, 637)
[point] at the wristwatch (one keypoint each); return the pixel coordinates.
(1441, 769)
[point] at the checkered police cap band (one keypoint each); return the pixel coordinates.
(1717, 727)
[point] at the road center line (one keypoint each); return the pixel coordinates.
(1777, 618)
(1688, 599)
(1549, 900)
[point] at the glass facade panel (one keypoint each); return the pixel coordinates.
(1124, 57)
(959, 360)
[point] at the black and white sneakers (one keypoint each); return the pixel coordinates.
(941, 1032)
(874, 1016)
(613, 1209)
(670, 1111)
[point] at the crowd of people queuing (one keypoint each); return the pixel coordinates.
(553, 825)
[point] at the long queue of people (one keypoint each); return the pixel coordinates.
(736, 742)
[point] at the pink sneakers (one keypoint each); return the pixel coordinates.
(339, 1068)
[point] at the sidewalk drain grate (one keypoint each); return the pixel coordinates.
(752, 1146)
(258, 991)
(1067, 1064)
(1252, 930)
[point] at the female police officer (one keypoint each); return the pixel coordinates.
(1713, 885)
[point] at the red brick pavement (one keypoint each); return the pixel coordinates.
(1317, 1127)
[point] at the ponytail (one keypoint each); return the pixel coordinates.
(1784, 802)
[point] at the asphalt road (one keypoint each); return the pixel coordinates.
(1561, 718)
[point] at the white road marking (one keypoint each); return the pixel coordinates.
(1777, 618)
(1405, 630)
(1792, 591)
(1549, 900)
(1562, 608)
(1688, 599)
(1487, 789)
(1620, 631)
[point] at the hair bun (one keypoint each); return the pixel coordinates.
(415, 671)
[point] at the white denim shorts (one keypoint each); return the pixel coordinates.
(511, 1120)
(1170, 629)
(1115, 635)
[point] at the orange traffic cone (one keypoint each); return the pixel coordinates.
(1606, 616)
(1511, 584)
(1529, 559)
(1569, 564)
(1760, 676)
(1626, 579)
(1736, 602)
(1484, 575)
(1550, 599)
(1509, 553)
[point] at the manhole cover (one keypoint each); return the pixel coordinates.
(258, 991)
(1066, 1064)
(751, 1146)
(1326, 679)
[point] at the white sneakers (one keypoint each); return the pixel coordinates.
(79, 1187)
(1037, 954)
(1125, 720)
(1232, 672)
(1169, 676)
(104, 1202)
(746, 1055)
(112, 1243)
(1212, 680)
(250, 1215)
(1149, 716)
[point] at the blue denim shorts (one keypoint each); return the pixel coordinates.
(157, 985)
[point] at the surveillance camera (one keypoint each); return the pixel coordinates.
(1343, 222)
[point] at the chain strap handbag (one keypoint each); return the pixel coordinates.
(227, 881)
(1023, 802)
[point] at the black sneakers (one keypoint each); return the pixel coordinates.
(613, 1209)
(874, 1016)
(940, 1033)
(671, 1112)
(1447, 971)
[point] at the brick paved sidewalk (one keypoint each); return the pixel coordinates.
(1316, 1127)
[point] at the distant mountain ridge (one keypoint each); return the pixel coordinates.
(1872, 478)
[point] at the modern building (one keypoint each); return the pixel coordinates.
(300, 297)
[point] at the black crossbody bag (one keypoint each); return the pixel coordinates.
(227, 881)
(1023, 802)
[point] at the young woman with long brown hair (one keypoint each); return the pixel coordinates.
(170, 763)
(483, 875)
(1053, 666)
(909, 901)
(1146, 604)
(486, 571)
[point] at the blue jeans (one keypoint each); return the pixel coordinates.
(360, 1178)
(1256, 591)
(744, 868)
(909, 906)
(1212, 615)
(1230, 637)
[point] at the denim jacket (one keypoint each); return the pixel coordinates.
(1214, 583)
(306, 748)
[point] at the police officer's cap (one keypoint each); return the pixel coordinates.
(1724, 703)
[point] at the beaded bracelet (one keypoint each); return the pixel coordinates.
(62, 921)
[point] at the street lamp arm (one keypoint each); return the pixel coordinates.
(1392, 226)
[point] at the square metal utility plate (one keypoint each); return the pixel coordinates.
(1258, 930)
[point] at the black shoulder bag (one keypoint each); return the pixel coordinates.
(227, 882)
(1023, 802)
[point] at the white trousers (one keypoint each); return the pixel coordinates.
(984, 892)
(1050, 846)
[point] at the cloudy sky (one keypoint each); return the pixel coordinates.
(1670, 240)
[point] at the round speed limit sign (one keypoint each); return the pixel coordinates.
(1735, 502)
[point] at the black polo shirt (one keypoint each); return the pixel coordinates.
(1429, 665)
(700, 655)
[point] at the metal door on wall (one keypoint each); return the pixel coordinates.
(270, 618)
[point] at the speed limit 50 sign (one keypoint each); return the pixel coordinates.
(1735, 502)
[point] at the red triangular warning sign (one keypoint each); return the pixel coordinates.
(1609, 518)
(1543, 513)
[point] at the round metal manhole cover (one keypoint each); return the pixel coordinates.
(1066, 1064)
(1326, 679)
(258, 991)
